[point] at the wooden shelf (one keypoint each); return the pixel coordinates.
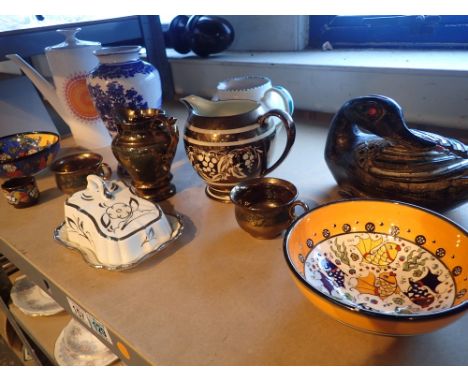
(217, 296)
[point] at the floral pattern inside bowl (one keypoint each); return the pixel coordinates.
(26, 154)
(383, 259)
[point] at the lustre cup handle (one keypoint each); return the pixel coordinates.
(290, 126)
(297, 203)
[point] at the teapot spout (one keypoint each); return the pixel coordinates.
(45, 87)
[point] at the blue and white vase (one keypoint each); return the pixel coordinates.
(123, 80)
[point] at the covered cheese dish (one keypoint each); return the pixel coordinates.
(113, 228)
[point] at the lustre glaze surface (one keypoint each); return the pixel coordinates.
(371, 151)
(231, 141)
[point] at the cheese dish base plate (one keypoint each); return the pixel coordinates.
(60, 235)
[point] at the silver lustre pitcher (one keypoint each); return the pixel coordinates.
(230, 141)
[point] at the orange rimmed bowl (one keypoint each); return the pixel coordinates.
(381, 266)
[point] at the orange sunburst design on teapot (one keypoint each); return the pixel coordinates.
(78, 98)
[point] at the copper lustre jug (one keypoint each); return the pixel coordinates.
(145, 147)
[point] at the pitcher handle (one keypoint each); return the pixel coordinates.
(290, 127)
(170, 124)
(284, 95)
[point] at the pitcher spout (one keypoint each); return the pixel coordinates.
(45, 87)
(196, 104)
(205, 108)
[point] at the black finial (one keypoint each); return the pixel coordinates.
(204, 35)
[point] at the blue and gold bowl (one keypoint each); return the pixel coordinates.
(26, 154)
(381, 266)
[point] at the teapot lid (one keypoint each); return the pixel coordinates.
(71, 42)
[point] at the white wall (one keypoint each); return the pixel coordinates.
(269, 33)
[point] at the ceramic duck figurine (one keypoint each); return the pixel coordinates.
(371, 152)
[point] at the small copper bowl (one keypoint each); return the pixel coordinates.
(264, 207)
(71, 171)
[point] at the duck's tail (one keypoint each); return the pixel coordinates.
(451, 144)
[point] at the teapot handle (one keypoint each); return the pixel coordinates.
(290, 126)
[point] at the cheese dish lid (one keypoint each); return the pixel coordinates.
(115, 211)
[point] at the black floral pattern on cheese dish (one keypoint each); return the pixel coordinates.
(118, 216)
(78, 228)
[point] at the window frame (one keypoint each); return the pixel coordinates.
(389, 31)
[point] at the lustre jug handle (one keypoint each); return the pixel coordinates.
(170, 126)
(290, 127)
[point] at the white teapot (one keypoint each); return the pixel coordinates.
(69, 62)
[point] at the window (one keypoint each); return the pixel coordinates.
(16, 22)
(393, 31)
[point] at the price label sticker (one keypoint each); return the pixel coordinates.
(89, 320)
(77, 310)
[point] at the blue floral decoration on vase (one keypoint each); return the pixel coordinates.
(126, 70)
(113, 97)
(130, 83)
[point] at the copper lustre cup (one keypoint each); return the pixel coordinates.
(71, 171)
(265, 207)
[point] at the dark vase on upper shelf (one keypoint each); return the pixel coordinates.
(145, 147)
